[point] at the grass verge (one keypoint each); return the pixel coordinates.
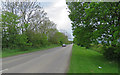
(9, 52)
(87, 61)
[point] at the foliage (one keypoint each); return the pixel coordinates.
(22, 42)
(37, 39)
(25, 25)
(98, 48)
(81, 32)
(112, 53)
(10, 29)
(94, 22)
(58, 38)
(11, 37)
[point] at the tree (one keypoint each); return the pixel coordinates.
(81, 30)
(23, 9)
(59, 38)
(105, 21)
(10, 29)
(37, 39)
(94, 22)
(11, 37)
(32, 19)
(25, 24)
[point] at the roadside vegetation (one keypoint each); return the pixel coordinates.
(96, 25)
(96, 31)
(26, 28)
(89, 61)
(12, 52)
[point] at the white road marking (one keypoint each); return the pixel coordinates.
(3, 70)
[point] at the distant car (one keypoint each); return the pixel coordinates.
(63, 45)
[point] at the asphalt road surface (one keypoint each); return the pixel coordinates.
(54, 60)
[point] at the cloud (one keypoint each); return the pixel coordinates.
(57, 13)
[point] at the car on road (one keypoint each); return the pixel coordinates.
(63, 45)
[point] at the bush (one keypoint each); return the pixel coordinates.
(78, 44)
(21, 41)
(37, 39)
(82, 45)
(98, 48)
(112, 53)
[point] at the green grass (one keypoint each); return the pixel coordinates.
(87, 61)
(9, 52)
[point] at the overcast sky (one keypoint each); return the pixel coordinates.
(57, 12)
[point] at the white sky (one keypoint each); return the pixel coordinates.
(57, 12)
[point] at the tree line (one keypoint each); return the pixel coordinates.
(25, 24)
(97, 23)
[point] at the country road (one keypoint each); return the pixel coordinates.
(54, 60)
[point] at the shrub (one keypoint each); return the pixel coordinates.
(112, 53)
(21, 41)
(98, 48)
(82, 45)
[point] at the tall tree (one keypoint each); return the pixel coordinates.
(93, 22)
(81, 30)
(10, 29)
(97, 21)
(23, 9)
